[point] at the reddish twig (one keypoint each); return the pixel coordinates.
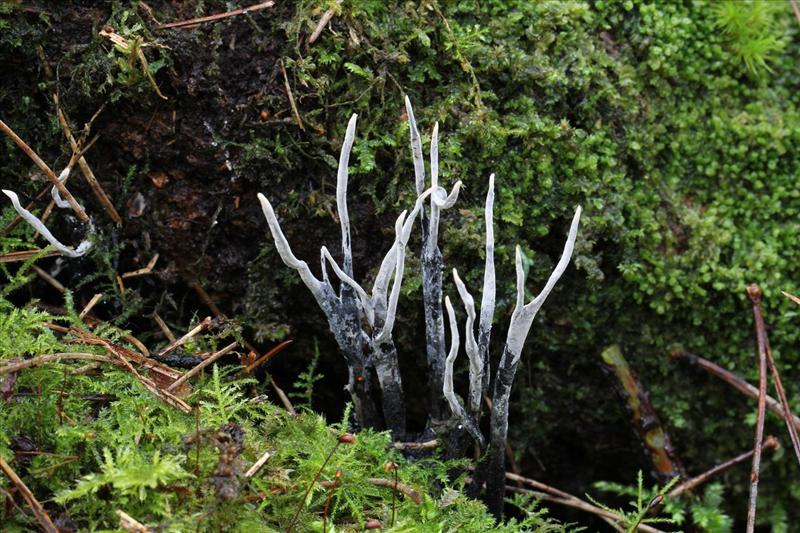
(734, 381)
(331, 490)
(346, 438)
(38, 511)
(79, 212)
(763, 343)
(754, 293)
(770, 444)
(267, 356)
(218, 16)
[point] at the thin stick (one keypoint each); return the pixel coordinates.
(427, 445)
(24, 255)
(218, 16)
(287, 404)
(323, 22)
(555, 495)
(201, 292)
(795, 9)
(164, 328)
(202, 326)
(292, 103)
(56, 358)
(79, 212)
(763, 340)
(734, 381)
(97, 189)
(196, 370)
(128, 523)
(754, 293)
(86, 170)
(162, 395)
(95, 299)
(38, 511)
(142, 271)
(267, 356)
(257, 465)
(409, 491)
(53, 282)
(770, 444)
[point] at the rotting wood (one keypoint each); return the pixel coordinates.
(644, 418)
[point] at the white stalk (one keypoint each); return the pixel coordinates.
(523, 315)
(39, 226)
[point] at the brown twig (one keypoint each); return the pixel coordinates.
(142, 271)
(253, 470)
(733, 380)
(38, 511)
(336, 481)
(53, 282)
(79, 212)
(287, 404)
(555, 495)
(56, 358)
(763, 342)
(199, 328)
(323, 22)
(24, 255)
(218, 16)
(292, 103)
(196, 370)
(89, 306)
(754, 293)
(427, 445)
(796, 9)
(128, 523)
(770, 444)
(267, 356)
(86, 170)
(343, 439)
(164, 328)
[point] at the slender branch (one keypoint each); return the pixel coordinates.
(323, 22)
(734, 381)
(79, 212)
(38, 511)
(770, 444)
(763, 343)
(218, 16)
(196, 370)
(56, 358)
(754, 293)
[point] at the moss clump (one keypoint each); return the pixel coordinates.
(91, 443)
